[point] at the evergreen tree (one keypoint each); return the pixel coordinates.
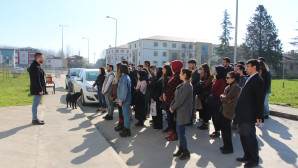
(262, 39)
(224, 50)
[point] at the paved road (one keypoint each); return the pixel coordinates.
(148, 148)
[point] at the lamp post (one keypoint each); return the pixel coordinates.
(62, 39)
(236, 29)
(115, 35)
(88, 49)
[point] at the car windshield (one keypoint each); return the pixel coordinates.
(74, 72)
(91, 75)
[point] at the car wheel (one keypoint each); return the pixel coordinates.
(83, 99)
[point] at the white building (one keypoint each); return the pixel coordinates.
(160, 49)
(114, 56)
(53, 62)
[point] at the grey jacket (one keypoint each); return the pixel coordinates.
(182, 103)
(108, 82)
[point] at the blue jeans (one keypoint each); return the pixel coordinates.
(181, 135)
(125, 112)
(110, 103)
(266, 105)
(36, 101)
(101, 99)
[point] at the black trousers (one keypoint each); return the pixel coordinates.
(226, 133)
(171, 120)
(120, 113)
(249, 141)
(203, 112)
(216, 118)
(158, 120)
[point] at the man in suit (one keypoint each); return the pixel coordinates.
(249, 109)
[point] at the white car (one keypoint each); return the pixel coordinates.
(17, 70)
(70, 76)
(83, 83)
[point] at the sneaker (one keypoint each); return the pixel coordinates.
(204, 126)
(266, 117)
(109, 117)
(105, 116)
(37, 122)
(215, 134)
(261, 125)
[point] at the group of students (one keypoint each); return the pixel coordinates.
(181, 92)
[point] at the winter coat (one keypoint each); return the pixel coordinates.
(37, 82)
(229, 99)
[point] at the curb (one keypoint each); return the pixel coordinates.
(284, 115)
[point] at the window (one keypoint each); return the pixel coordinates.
(139, 53)
(190, 46)
(164, 54)
(135, 45)
(183, 55)
(164, 44)
(127, 51)
(291, 66)
(190, 55)
(183, 46)
(139, 44)
(155, 44)
(117, 51)
(155, 53)
(163, 62)
(122, 51)
(49, 61)
(173, 45)
(130, 46)
(155, 63)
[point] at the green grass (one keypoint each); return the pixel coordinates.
(287, 96)
(15, 91)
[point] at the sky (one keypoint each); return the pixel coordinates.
(35, 23)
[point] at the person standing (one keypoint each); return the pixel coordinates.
(155, 95)
(229, 99)
(226, 64)
(169, 95)
(124, 99)
(99, 82)
(37, 85)
(250, 109)
(195, 78)
(140, 107)
(182, 105)
(107, 90)
(120, 125)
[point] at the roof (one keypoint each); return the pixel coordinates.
(124, 46)
(288, 57)
(167, 38)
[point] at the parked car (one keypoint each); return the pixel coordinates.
(18, 70)
(70, 76)
(83, 83)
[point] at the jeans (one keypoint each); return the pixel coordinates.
(249, 141)
(109, 102)
(36, 101)
(266, 105)
(181, 135)
(125, 112)
(101, 99)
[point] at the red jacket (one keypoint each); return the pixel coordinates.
(218, 87)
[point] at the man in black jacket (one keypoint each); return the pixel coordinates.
(195, 78)
(37, 85)
(249, 109)
(226, 63)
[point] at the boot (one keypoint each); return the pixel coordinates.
(179, 152)
(185, 154)
(125, 132)
(140, 123)
(171, 132)
(119, 127)
(174, 137)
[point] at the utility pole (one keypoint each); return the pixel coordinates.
(62, 26)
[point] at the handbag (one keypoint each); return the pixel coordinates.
(153, 109)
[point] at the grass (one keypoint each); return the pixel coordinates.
(15, 91)
(287, 96)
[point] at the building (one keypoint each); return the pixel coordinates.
(75, 62)
(114, 56)
(7, 57)
(161, 49)
(53, 62)
(290, 63)
(25, 56)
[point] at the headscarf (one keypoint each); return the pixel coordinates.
(220, 71)
(143, 75)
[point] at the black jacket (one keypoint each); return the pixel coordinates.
(267, 81)
(195, 78)
(99, 81)
(156, 92)
(250, 105)
(37, 82)
(229, 69)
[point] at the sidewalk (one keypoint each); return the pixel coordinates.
(283, 111)
(68, 139)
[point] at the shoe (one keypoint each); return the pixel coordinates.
(221, 148)
(173, 137)
(179, 152)
(242, 159)
(266, 117)
(204, 126)
(234, 127)
(105, 116)
(109, 118)
(251, 164)
(157, 127)
(104, 111)
(215, 134)
(261, 125)
(151, 121)
(139, 123)
(125, 132)
(119, 127)
(165, 130)
(37, 122)
(224, 151)
(185, 155)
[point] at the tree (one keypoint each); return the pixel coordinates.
(224, 50)
(262, 39)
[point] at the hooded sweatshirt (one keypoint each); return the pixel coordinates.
(219, 83)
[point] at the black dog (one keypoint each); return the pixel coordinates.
(72, 99)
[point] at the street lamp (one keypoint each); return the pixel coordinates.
(62, 39)
(88, 49)
(116, 34)
(236, 29)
